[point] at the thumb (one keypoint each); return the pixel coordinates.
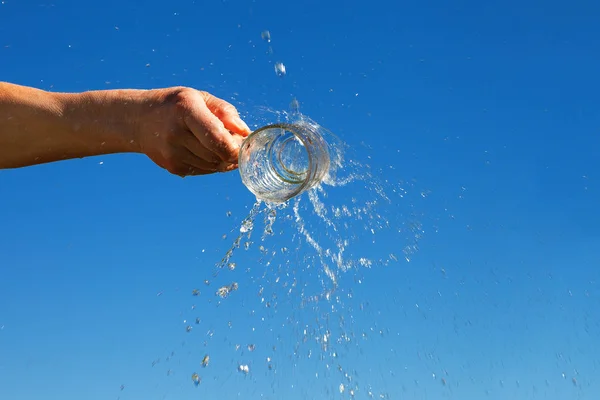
(227, 113)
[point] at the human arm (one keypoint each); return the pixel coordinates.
(185, 131)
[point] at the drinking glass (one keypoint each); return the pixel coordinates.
(283, 160)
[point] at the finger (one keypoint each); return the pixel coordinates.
(192, 143)
(193, 171)
(229, 167)
(238, 139)
(190, 159)
(224, 167)
(204, 166)
(227, 113)
(211, 132)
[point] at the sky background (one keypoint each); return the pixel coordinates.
(479, 121)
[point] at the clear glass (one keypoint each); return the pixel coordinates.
(280, 161)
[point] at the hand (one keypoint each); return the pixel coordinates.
(189, 132)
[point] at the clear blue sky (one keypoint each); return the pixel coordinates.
(488, 111)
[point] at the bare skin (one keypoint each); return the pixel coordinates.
(183, 130)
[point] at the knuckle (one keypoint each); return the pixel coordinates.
(182, 98)
(186, 93)
(176, 94)
(227, 109)
(219, 106)
(226, 151)
(182, 105)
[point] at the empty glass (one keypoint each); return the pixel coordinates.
(280, 161)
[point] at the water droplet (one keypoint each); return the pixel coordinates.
(205, 361)
(228, 213)
(196, 379)
(197, 321)
(295, 106)
(342, 388)
(266, 35)
(188, 328)
(280, 69)
(231, 266)
(246, 226)
(223, 291)
(251, 347)
(244, 368)
(364, 262)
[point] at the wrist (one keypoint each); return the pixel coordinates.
(105, 120)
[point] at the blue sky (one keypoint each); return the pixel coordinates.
(486, 114)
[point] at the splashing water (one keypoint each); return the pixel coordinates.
(303, 261)
(295, 269)
(280, 69)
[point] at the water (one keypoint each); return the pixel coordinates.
(295, 266)
(280, 69)
(297, 272)
(291, 285)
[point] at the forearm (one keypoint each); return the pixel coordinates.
(38, 126)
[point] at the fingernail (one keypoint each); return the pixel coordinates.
(225, 166)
